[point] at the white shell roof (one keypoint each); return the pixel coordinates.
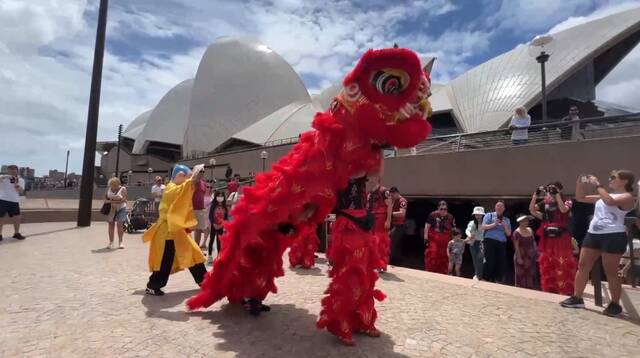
(239, 82)
(484, 97)
(287, 122)
(134, 128)
(167, 122)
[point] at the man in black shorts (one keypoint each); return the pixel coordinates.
(11, 186)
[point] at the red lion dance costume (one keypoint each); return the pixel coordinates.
(383, 102)
(303, 248)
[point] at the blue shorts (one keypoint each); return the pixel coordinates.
(120, 216)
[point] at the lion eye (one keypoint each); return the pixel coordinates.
(390, 81)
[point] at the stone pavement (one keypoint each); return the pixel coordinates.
(65, 296)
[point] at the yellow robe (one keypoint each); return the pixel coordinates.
(175, 215)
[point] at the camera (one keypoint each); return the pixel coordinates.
(552, 189)
(540, 191)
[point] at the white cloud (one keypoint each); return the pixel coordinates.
(572, 21)
(523, 16)
(27, 25)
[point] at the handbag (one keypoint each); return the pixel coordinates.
(106, 207)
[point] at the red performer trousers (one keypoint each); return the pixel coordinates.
(348, 306)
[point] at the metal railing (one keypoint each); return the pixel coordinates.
(555, 132)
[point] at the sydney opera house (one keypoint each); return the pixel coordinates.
(246, 99)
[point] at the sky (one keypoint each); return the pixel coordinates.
(46, 53)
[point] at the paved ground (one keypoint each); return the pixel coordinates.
(64, 296)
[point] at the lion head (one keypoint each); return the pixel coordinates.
(386, 97)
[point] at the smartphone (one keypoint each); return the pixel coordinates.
(584, 178)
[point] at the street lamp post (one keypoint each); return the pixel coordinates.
(66, 170)
(130, 174)
(264, 155)
(540, 48)
(212, 162)
(88, 164)
(149, 171)
(118, 151)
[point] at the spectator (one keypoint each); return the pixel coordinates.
(606, 238)
(520, 123)
(455, 250)
(398, 228)
(208, 200)
(496, 229)
(11, 186)
(117, 197)
(234, 183)
(525, 253)
(218, 214)
(475, 235)
(572, 131)
(234, 194)
(200, 211)
(557, 264)
(437, 233)
(156, 192)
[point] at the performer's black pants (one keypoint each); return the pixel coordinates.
(396, 235)
(215, 235)
(158, 279)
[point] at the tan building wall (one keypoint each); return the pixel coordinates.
(510, 172)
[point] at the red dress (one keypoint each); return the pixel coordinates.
(435, 255)
(378, 206)
(556, 260)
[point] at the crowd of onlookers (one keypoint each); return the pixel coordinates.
(550, 257)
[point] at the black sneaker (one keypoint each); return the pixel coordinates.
(1, 238)
(154, 291)
(18, 236)
(613, 310)
(573, 302)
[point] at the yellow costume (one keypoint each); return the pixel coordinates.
(176, 215)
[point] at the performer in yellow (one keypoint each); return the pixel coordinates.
(172, 248)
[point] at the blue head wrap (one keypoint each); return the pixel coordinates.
(179, 168)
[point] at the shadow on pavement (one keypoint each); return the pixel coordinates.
(388, 276)
(102, 250)
(286, 331)
(10, 240)
(157, 305)
(53, 231)
(314, 271)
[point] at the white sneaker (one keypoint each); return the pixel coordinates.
(121, 246)
(110, 246)
(475, 278)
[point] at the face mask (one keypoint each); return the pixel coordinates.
(219, 199)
